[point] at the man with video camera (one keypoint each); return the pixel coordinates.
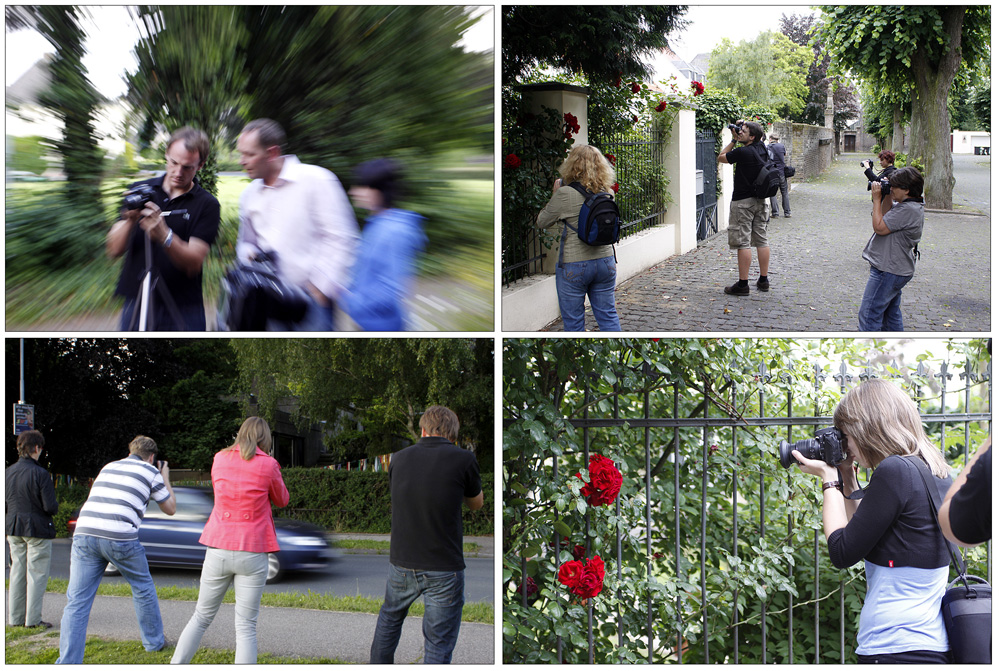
(891, 251)
(181, 220)
(747, 226)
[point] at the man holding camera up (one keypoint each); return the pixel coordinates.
(747, 225)
(891, 251)
(181, 220)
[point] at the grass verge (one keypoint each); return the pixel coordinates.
(41, 646)
(476, 611)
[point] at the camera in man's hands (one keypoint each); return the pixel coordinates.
(885, 186)
(137, 198)
(736, 127)
(828, 445)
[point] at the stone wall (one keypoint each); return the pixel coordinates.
(809, 148)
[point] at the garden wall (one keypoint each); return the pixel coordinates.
(809, 148)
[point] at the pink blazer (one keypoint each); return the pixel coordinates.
(244, 490)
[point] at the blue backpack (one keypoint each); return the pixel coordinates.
(599, 219)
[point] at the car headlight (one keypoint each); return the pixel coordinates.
(307, 541)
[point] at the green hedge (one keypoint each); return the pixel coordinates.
(341, 501)
(359, 501)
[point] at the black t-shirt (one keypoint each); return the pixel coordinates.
(748, 161)
(203, 223)
(894, 524)
(971, 506)
(429, 482)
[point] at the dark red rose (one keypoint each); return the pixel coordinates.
(605, 479)
(511, 161)
(615, 187)
(531, 586)
(578, 552)
(591, 582)
(571, 122)
(661, 106)
(617, 82)
(597, 566)
(635, 88)
(634, 118)
(570, 572)
(612, 158)
(697, 87)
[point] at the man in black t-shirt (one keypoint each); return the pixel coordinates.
(179, 241)
(965, 515)
(429, 482)
(747, 222)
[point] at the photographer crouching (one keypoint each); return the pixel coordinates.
(893, 527)
(167, 226)
(892, 249)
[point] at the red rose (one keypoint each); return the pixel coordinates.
(511, 161)
(635, 88)
(697, 87)
(570, 572)
(597, 566)
(615, 187)
(617, 82)
(578, 552)
(661, 106)
(605, 479)
(634, 118)
(530, 585)
(611, 158)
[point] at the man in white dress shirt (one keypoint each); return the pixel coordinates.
(300, 215)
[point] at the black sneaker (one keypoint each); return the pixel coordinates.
(42, 623)
(737, 290)
(763, 284)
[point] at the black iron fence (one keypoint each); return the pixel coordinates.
(641, 177)
(707, 200)
(735, 432)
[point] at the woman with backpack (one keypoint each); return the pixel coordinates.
(893, 528)
(583, 270)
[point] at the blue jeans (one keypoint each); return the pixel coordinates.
(89, 557)
(595, 278)
(247, 573)
(443, 596)
(192, 317)
(881, 307)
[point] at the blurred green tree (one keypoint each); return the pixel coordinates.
(769, 70)
(28, 155)
(602, 42)
(383, 384)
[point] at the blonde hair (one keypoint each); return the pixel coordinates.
(881, 420)
(143, 446)
(254, 433)
(587, 165)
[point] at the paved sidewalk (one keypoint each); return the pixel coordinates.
(817, 275)
(286, 632)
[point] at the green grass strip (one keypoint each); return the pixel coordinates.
(474, 611)
(43, 648)
(382, 547)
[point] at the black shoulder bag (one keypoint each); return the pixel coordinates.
(966, 607)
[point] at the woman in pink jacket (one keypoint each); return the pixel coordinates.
(239, 534)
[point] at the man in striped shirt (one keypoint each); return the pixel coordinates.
(107, 530)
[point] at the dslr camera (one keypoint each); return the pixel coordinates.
(736, 127)
(885, 186)
(137, 198)
(827, 446)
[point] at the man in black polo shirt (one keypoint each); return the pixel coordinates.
(179, 242)
(429, 481)
(747, 222)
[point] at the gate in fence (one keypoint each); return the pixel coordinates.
(707, 201)
(707, 522)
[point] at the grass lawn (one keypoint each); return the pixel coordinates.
(41, 646)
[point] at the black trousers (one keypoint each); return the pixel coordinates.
(908, 657)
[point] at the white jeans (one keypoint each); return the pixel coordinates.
(247, 572)
(30, 559)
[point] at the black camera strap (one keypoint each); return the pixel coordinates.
(853, 496)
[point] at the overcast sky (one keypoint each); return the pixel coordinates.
(710, 24)
(112, 34)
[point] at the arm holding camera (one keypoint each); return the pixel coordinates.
(188, 255)
(835, 514)
(879, 210)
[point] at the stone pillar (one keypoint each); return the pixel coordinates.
(562, 98)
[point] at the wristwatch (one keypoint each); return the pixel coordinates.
(829, 485)
(169, 238)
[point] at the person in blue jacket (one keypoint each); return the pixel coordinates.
(391, 239)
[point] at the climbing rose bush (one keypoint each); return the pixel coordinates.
(605, 480)
(584, 580)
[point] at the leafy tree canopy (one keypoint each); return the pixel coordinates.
(601, 41)
(769, 70)
(383, 384)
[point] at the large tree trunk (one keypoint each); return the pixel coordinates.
(930, 118)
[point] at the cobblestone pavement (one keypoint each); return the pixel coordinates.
(817, 276)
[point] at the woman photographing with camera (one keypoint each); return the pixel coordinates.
(892, 528)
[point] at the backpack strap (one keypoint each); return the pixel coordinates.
(933, 494)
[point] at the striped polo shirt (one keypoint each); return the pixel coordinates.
(118, 499)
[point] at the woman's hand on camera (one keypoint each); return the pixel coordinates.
(815, 467)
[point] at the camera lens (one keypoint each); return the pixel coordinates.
(809, 448)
